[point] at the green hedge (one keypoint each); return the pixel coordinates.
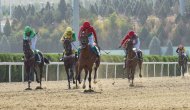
(17, 57)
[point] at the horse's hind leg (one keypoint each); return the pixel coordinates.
(41, 71)
(140, 67)
(86, 73)
(95, 70)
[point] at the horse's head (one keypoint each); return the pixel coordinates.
(129, 45)
(67, 46)
(27, 49)
(84, 40)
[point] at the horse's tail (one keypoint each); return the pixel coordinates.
(46, 60)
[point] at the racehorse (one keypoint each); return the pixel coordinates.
(30, 64)
(182, 62)
(69, 61)
(132, 61)
(86, 60)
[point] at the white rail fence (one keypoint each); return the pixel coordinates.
(146, 66)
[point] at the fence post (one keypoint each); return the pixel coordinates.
(106, 71)
(115, 71)
(147, 69)
(154, 70)
(9, 73)
(175, 70)
(168, 70)
(57, 72)
(46, 72)
(22, 73)
(162, 66)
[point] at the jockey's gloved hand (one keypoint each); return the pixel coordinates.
(120, 46)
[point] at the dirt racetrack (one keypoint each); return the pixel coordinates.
(170, 93)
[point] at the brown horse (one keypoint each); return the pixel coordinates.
(69, 61)
(86, 60)
(132, 61)
(30, 64)
(182, 62)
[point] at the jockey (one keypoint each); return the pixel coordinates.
(69, 34)
(136, 42)
(181, 50)
(92, 38)
(31, 35)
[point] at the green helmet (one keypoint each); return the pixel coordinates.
(27, 29)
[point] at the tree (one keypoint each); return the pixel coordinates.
(7, 28)
(162, 34)
(154, 47)
(169, 50)
(5, 44)
(144, 37)
(62, 8)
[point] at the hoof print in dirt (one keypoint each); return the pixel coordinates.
(28, 89)
(88, 91)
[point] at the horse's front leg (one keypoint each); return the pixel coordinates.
(35, 71)
(28, 71)
(89, 79)
(68, 78)
(86, 73)
(95, 69)
(72, 75)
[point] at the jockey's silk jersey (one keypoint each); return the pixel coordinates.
(71, 37)
(89, 31)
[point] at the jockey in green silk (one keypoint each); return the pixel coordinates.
(31, 35)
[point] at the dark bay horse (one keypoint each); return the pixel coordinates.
(69, 61)
(132, 61)
(86, 60)
(30, 64)
(182, 62)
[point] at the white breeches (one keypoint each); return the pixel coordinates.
(137, 46)
(91, 40)
(33, 42)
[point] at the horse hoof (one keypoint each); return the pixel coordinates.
(83, 86)
(95, 82)
(73, 82)
(39, 87)
(37, 81)
(140, 76)
(28, 89)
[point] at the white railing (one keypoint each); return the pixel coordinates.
(102, 63)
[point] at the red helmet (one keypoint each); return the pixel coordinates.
(86, 24)
(131, 33)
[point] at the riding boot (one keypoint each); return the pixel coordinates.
(139, 55)
(125, 63)
(62, 58)
(96, 50)
(37, 58)
(76, 57)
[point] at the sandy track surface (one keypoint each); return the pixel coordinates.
(171, 93)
